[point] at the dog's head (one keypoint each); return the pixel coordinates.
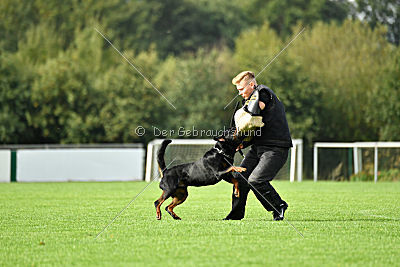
(229, 141)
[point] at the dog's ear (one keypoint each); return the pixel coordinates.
(219, 138)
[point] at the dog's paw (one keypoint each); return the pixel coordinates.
(239, 169)
(237, 193)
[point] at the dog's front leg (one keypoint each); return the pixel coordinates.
(236, 185)
(232, 169)
(232, 180)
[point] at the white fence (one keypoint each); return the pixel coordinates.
(5, 165)
(61, 163)
(356, 154)
(296, 161)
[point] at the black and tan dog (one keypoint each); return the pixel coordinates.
(214, 166)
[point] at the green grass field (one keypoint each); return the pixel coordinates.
(56, 223)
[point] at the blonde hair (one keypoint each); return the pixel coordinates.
(244, 75)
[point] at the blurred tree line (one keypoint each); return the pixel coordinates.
(61, 82)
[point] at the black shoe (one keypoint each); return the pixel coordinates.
(279, 216)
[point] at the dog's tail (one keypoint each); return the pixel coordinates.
(160, 155)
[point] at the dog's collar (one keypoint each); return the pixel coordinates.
(220, 151)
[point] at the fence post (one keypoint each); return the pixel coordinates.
(376, 163)
(292, 162)
(355, 160)
(300, 162)
(315, 163)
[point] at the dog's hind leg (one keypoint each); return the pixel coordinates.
(180, 196)
(158, 204)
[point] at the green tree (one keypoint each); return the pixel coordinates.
(174, 26)
(40, 43)
(386, 12)
(15, 106)
(15, 18)
(64, 94)
(130, 101)
(256, 47)
(349, 63)
(200, 87)
(177, 26)
(387, 112)
(283, 15)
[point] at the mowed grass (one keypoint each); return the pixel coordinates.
(56, 224)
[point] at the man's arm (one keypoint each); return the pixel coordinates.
(265, 98)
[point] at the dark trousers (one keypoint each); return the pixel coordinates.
(262, 163)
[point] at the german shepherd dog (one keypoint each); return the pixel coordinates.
(214, 166)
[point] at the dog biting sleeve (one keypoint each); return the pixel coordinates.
(245, 121)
